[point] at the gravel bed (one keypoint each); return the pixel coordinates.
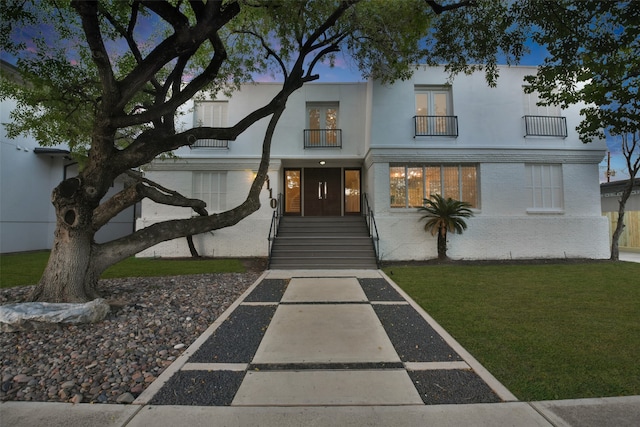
(440, 387)
(237, 339)
(412, 337)
(379, 290)
(152, 321)
(268, 290)
(200, 388)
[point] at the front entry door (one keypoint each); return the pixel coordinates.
(322, 191)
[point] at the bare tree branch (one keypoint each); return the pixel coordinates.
(139, 188)
(88, 12)
(270, 52)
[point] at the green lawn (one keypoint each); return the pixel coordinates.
(26, 268)
(545, 331)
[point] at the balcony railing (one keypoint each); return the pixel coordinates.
(545, 126)
(435, 125)
(323, 138)
(210, 143)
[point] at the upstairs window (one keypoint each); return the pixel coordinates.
(434, 112)
(211, 114)
(531, 107)
(322, 125)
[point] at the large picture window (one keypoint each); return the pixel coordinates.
(543, 184)
(411, 184)
(211, 188)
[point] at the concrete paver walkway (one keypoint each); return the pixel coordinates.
(326, 348)
(326, 338)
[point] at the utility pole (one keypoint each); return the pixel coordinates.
(610, 172)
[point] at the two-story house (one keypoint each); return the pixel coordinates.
(342, 150)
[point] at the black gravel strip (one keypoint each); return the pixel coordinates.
(321, 366)
(237, 338)
(268, 290)
(323, 302)
(452, 386)
(200, 388)
(379, 290)
(412, 337)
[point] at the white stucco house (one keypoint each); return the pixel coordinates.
(533, 185)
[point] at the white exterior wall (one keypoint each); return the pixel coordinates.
(245, 239)
(491, 133)
(377, 126)
(27, 217)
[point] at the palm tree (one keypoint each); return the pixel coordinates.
(444, 215)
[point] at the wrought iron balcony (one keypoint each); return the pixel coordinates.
(545, 126)
(210, 143)
(323, 138)
(435, 125)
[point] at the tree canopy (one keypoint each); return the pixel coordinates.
(153, 56)
(109, 78)
(594, 60)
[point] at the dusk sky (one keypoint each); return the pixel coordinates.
(345, 71)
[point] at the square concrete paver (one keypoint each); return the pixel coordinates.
(326, 333)
(316, 388)
(324, 289)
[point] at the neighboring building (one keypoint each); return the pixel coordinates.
(29, 173)
(610, 193)
(532, 184)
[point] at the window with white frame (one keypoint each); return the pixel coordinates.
(411, 184)
(434, 111)
(211, 188)
(543, 185)
(211, 114)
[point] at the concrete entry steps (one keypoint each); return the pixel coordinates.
(338, 340)
(323, 243)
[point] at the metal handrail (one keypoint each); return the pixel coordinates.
(275, 223)
(373, 228)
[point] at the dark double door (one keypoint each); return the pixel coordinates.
(322, 191)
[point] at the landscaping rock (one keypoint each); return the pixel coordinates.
(126, 351)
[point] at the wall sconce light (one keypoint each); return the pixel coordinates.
(322, 162)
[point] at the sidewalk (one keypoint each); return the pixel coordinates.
(629, 256)
(319, 348)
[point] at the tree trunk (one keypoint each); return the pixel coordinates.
(192, 247)
(615, 251)
(442, 245)
(69, 275)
